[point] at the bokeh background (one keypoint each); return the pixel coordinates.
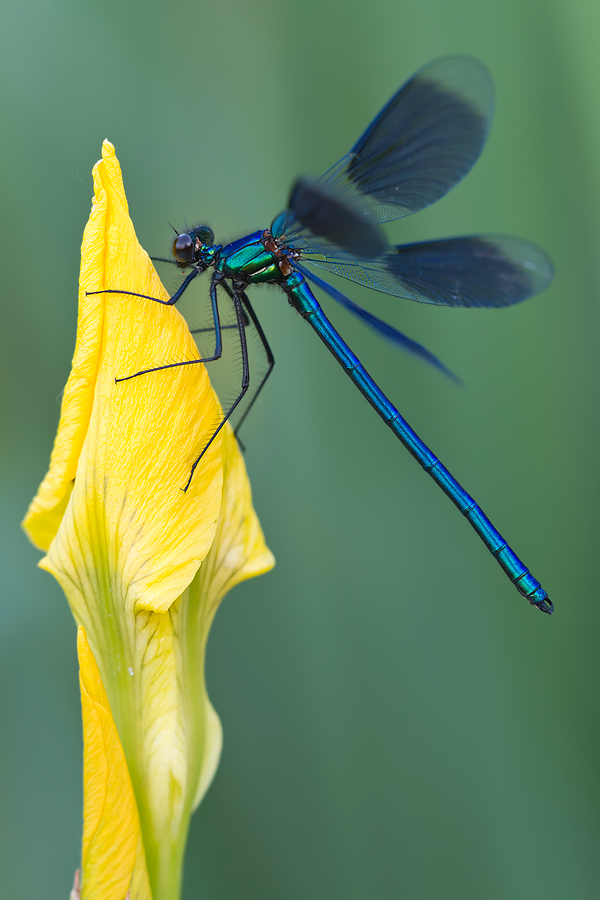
(398, 721)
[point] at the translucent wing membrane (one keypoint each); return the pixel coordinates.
(475, 271)
(341, 222)
(382, 328)
(424, 141)
(419, 146)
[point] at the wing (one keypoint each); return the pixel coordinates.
(419, 146)
(382, 328)
(318, 211)
(474, 271)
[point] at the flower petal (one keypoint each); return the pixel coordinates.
(178, 735)
(47, 508)
(128, 521)
(113, 860)
(238, 552)
(143, 564)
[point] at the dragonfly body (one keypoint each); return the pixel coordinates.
(421, 144)
(259, 259)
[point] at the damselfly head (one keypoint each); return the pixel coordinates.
(192, 247)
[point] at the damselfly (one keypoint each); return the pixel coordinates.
(419, 146)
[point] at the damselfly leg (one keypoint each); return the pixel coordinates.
(249, 312)
(218, 281)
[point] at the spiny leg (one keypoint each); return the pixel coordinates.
(190, 362)
(239, 312)
(197, 270)
(263, 339)
(200, 330)
(173, 262)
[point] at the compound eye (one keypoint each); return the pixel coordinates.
(183, 248)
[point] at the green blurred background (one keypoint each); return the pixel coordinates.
(398, 721)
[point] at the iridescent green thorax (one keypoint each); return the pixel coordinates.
(256, 259)
(249, 262)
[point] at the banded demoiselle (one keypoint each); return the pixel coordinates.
(422, 143)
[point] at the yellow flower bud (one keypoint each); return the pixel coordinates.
(144, 564)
